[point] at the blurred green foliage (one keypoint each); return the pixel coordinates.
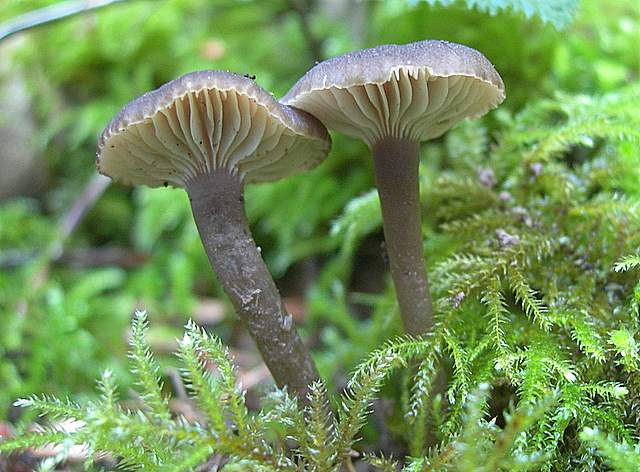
(545, 315)
(557, 12)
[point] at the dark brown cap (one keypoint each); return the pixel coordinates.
(205, 121)
(416, 91)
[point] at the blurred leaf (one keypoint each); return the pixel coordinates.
(557, 12)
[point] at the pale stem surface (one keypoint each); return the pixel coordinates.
(218, 208)
(396, 170)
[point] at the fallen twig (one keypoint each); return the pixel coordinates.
(67, 224)
(72, 218)
(50, 14)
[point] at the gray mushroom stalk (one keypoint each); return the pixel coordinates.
(393, 97)
(211, 133)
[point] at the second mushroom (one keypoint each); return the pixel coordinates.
(212, 132)
(393, 97)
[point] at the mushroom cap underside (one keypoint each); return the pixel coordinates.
(416, 91)
(205, 121)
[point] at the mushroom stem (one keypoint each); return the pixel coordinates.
(218, 207)
(396, 172)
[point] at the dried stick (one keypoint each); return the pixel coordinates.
(50, 14)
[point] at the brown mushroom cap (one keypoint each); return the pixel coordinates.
(205, 121)
(415, 91)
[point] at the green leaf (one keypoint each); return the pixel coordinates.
(557, 12)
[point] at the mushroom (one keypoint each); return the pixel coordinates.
(393, 97)
(212, 132)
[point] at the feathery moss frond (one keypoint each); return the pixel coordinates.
(52, 406)
(33, 440)
(218, 353)
(527, 297)
(365, 383)
(204, 390)
(587, 337)
(108, 390)
(627, 263)
(146, 370)
(190, 459)
(319, 449)
(497, 312)
(626, 347)
(620, 456)
(386, 464)
(460, 386)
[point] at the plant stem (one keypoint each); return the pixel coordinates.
(218, 207)
(396, 170)
(314, 44)
(51, 13)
